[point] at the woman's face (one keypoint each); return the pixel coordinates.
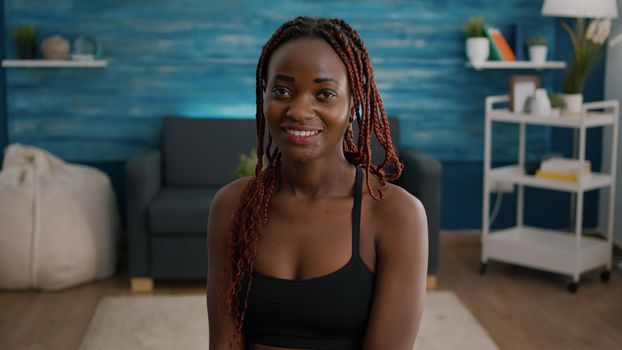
(307, 99)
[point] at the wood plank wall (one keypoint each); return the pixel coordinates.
(197, 58)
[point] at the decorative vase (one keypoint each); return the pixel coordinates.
(55, 48)
(540, 104)
(537, 53)
(477, 50)
(574, 102)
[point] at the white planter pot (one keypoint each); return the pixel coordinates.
(574, 102)
(477, 50)
(537, 53)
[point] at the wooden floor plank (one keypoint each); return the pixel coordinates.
(521, 308)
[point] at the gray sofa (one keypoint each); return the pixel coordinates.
(170, 189)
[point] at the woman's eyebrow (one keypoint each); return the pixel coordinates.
(284, 77)
(324, 80)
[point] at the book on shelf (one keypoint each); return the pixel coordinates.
(499, 48)
(565, 169)
(559, 175)
(564, 165)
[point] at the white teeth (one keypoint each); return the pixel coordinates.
(301, 133)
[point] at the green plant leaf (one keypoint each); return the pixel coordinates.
(571, 34)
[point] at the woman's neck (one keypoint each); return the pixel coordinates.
(316, 178)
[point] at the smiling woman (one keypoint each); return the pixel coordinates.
(302, 255)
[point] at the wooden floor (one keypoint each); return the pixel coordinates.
(521, 308)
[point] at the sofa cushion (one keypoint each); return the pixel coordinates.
(181, 210)
(205, 151)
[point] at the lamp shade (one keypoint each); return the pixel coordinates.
(580, 8)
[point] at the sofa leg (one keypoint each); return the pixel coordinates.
(431, 283)
(141, 284)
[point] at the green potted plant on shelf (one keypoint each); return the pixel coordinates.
(537, 49)
(477, 46)
(557, 104)
(24, 36)
(588, 40)
(247, 164)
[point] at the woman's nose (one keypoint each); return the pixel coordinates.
(300, 108)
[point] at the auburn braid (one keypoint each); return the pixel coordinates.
(253, 205)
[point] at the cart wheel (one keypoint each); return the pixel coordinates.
(482, 268)
(605, 275)
(572, 287)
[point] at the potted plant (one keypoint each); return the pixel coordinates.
(24, 37)
(247, 164)
(477, 46)
(557, 104)
(537, 49)
(588, 39)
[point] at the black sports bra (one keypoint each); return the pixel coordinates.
(326, 312)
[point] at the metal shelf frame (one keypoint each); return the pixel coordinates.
(549, 250)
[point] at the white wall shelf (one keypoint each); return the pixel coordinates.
(517, 65)
(54, 63)
(550, 250)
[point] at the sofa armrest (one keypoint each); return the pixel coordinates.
(143, 181)
(422, 178)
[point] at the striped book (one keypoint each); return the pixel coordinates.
(500, 49)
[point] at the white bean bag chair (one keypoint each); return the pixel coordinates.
(59, 223)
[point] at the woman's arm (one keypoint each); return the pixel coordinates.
(221, 323)
(401, 268)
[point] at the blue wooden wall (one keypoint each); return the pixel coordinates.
(197, 58)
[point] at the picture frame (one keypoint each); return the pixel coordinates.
(521, 87)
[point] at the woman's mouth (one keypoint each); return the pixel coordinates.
(300, 137)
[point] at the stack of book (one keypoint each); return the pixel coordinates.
(500, 50)
(564, 169)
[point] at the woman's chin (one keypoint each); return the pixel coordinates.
(299, 154)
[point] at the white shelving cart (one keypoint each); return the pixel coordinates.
(550, 250)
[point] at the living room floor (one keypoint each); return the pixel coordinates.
(521, 308)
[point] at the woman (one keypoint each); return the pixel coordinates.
(313, 259)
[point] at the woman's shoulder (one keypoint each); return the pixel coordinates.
(395, 199)
(397, 211)
(231, 192)
(224, 205)
(397, 203)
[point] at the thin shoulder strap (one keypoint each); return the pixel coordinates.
(356, 212)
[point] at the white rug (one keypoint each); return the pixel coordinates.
(180, 322)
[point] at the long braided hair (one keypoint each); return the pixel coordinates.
(254, 202)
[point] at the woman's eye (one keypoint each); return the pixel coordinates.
(280, 92)
(326, 94)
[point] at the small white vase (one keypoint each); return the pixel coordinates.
(477, 50)
(537, 53)
(540, 104)
(574, 102)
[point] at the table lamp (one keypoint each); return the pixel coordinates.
(580, 8)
